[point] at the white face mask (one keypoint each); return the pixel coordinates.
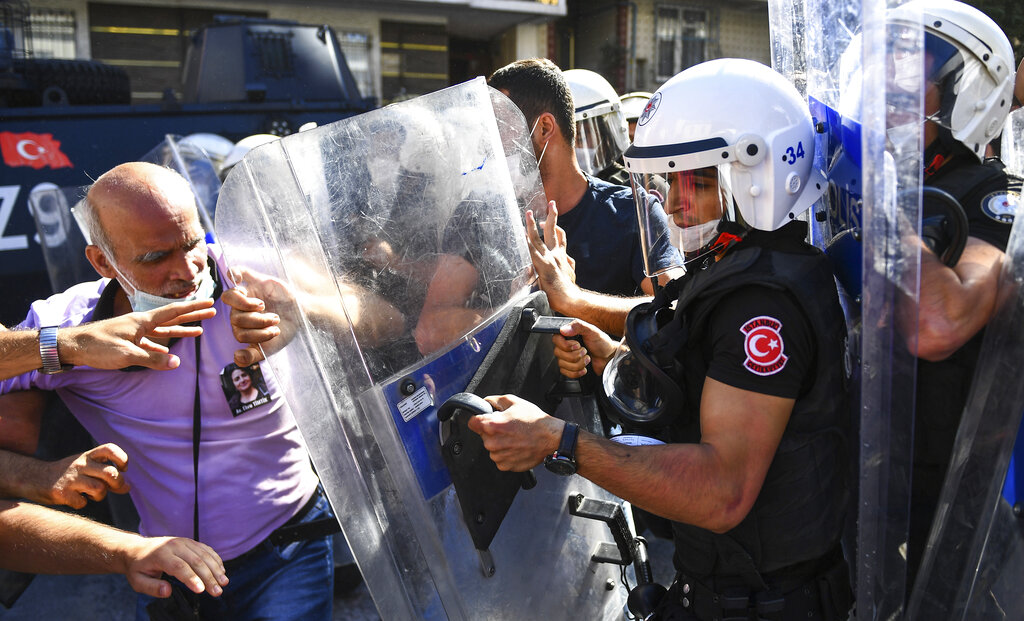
(142, 301)
(695, 237)
(540, 158)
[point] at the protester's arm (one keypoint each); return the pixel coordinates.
(264, 310)
(556, 278)
(40, 540)
(712, 484)
(69, 481)
(21, 415)
(115, 343)
(445, 316)
(955, 303)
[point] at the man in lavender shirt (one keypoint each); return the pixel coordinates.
(240, 482)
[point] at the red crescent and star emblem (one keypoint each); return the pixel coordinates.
(763, 346)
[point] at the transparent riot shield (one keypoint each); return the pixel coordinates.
(60, 237)
(840, 53)
(190, 158)
(391, 244)
(891, 139)
(975, 554)
(1012, 143)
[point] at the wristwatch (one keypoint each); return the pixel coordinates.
(563, 461)
(48, 350)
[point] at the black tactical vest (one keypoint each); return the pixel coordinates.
(798, 516)
(942, 386)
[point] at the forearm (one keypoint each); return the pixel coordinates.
(607, 312)
(19, 349)
(40, 540)
(440, 326)
(376, 321)
(25, 477)
(21, 414)
(19, 352)
(682, 482)
(955, 303)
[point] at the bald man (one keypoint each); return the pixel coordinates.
(235, 478)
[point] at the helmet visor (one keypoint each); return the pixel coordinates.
(910, 63)
(639, 388)
(600, 141)
(690, 203)
(631, 389)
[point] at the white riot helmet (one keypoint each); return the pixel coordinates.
(242, 147)
(601, 131)
(729, 135)
(970, 58)
(633, 104)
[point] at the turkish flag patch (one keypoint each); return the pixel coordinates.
(763, 345)
(33, 150)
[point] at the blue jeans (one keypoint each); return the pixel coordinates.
(291, 581)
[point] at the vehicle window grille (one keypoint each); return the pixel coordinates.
(274, 50)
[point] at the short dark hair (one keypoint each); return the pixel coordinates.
(537, 86)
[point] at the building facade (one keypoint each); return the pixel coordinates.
(403, 48)
(639, 44)
(396, 49)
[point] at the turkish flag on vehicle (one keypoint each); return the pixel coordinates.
(35, 150)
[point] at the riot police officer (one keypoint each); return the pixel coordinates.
(737, 366)
(969, 79)
(602, 133)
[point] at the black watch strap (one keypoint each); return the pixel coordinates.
(567, 447)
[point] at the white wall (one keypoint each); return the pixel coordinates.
(745, 34)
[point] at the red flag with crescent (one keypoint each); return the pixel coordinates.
(33, 150)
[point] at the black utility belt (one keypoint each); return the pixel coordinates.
(730, 605)
(823, 595)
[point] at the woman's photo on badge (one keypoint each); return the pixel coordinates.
(244, 387)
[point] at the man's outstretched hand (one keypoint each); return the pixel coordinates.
(127, 340)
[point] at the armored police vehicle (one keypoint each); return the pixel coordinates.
(66, 122)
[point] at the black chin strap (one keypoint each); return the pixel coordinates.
(196, 433)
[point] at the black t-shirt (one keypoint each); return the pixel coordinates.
(989, 198)
(989, 205)
(758, 339)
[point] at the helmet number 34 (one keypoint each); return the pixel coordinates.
(792, 154)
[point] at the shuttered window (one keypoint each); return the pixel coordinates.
(356, 47)
(50, 33)
(414, 59)
(148, 41)
(681, 37)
